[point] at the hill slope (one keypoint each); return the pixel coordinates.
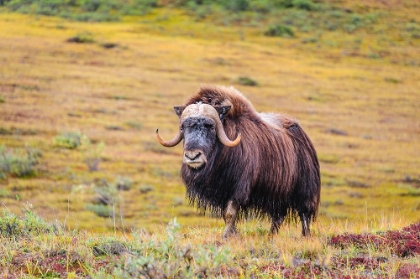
(119, 83)
(80, 102)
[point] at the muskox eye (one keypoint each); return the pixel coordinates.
(209, 126)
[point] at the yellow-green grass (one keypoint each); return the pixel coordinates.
(253, 253)
(52, 86)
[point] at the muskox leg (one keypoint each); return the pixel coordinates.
(306, 221)
(229, 215)
(276, 223)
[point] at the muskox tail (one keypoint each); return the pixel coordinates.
(306, 196)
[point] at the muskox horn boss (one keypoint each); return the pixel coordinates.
(204, 110)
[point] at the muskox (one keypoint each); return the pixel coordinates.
(269, 168)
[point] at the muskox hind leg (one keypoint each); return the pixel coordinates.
(229, 215)
(306, 222)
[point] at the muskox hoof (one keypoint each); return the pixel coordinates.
(306, 234)
(274, 230)
(229, 233)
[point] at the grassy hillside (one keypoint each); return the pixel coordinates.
(80, 102)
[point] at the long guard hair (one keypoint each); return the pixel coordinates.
(274, 170)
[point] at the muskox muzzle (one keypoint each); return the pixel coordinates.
(194, 158)
(202, 116)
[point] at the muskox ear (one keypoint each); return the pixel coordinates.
(222, 111)
(179, 110)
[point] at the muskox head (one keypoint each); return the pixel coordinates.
(200, 125)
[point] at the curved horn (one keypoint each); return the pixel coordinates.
(171, 143)
(225, 140)
(221, 134)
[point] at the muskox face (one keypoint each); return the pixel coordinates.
(200, 127)
(199, 138)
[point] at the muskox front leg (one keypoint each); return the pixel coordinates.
(229, 215)
(277, 218)
(276, 223)
(306, 221)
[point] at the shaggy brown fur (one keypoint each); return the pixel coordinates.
(274, 170)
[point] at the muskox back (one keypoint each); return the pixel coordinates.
(273, 170)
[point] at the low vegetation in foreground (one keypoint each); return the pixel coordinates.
(31, 248)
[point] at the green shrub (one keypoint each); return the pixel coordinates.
(307, 5)
(123, 183)
(335, 14)
(82, 38)
(30, 224)
(18, 162)
(374, 55)
(139, 7)
(92, 153)
(106, 201)
(262, 6)
(3, 193)
(236, 5)
(94, 17)
(393, 80)
(151, 258)
(311, 40)
(18, 131)
(410, 190)
(89, 5)
(68, 140)
(279, 30)
(101, 210)
(83, 10)
(15, 5)
(2, 100)
(201, 12)
(356, 21)
(107, 246)
(144, 189)
(109, 45)
(285, 3)
(11, 225)
(371, 18)
(247, 81)
(412, 27)
(45, 7)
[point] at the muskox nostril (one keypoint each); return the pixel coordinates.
(192, 155)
